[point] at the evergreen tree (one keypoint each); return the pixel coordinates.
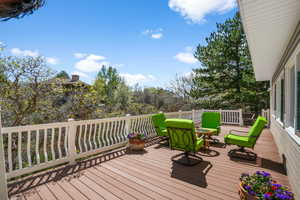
(63, 75)
(226, 74)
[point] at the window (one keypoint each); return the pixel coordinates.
(278, 99)
(282, 100)
(275, 97)
(291, 117)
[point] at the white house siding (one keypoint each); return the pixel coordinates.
(288, 144)
(291, 151)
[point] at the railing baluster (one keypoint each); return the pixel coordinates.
(100, 135)
(37, 146)
(29, 148)
(113, 130)
(66, 141)
(119, 131)
(110, 133)
(105, 134)
(59, 143)
(20, 149)
(90, 136)
(45, 145)
(10, 166)
(94, 136)
(52, 143)
(80, 138)
(84, 137)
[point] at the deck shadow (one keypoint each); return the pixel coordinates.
(264, 163)
(195, 175)
(67, 172)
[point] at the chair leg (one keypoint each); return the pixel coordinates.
(163, 139)
(243, 154)
(185, 159)
(214, 140)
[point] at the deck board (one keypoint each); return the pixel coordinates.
(152, 175)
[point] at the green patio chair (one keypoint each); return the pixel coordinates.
(160, 125)
(182, 137)
(248, 141)
(212, 121)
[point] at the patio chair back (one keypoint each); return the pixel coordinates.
(256, 130)
(159, 124)
(181, 134)
(211, 120)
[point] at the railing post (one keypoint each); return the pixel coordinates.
(241, 117)
(220, 111)
(180, 114)
(71, 142)
(193, 115)
(127, 124)
(3, 181)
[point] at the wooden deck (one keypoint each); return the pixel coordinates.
(151, 175)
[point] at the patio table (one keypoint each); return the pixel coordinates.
(206, 133)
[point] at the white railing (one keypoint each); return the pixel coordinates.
(228, 117)
(266, 114)
(31, 148)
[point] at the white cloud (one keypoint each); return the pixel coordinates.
(157, 35)
(91, 63)
(79, 55)
(52, 61)
(95, 57)
(20, 52)
(195, 10)
(154, 34)
(132, 79)
(186, 57)
(81, 74)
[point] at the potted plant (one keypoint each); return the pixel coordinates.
(136, 141)
(260, 186)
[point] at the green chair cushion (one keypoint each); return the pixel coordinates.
(159, 124)
(251, 138)
(257, 127)
(237, 140)
(211, 120)
(182, 135)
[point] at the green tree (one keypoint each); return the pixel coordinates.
(63, 74)
(25, 90)
(226, 73)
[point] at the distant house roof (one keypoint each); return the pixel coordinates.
(269, 26)
(75, 80)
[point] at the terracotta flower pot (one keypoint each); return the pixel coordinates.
(136, 144)
(244, 195)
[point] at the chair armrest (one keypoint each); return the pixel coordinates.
(230, 132)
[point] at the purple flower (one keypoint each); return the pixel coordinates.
(248, 188)
(265, 174)
(277, 185)
(267, 196)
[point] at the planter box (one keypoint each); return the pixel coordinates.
(136, 144)
(244, 195)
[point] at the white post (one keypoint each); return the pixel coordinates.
(193, 115)
(180, 114)
(241, 117)
(220, 111)
(71, 142)
(3, 183)
(127, 124)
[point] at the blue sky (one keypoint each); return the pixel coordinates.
(149, 42)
